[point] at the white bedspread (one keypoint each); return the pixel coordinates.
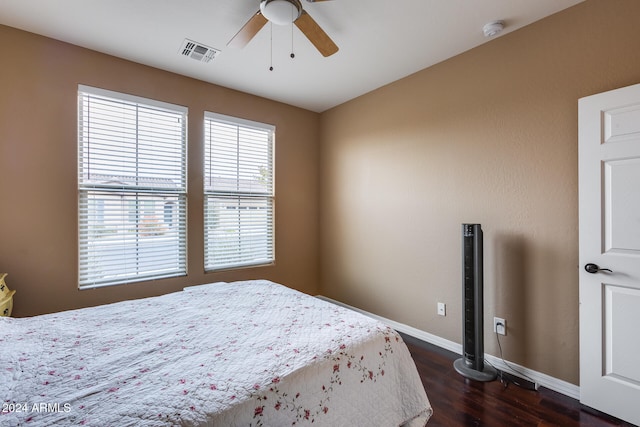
(226, 354)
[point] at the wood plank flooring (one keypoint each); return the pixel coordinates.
(457, 401)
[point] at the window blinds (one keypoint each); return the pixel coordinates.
(131, 188)
(239, 193)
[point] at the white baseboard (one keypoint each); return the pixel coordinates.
(544, 380)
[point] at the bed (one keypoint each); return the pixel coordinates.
(250, 353)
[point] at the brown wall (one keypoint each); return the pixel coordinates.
(489, 136)
(39, 80)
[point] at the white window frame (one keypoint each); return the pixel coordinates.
(132, 188)
(239, 193)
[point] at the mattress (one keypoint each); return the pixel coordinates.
(250, 353)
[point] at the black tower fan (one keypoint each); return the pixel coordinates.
(471, 364)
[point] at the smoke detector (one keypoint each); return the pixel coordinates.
(492, 29)
(198, 51)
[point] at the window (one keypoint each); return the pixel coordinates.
(239, 193)
(132, 197)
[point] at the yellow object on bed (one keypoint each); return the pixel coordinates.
(6, 297)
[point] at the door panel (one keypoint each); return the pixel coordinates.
(621, 317)
(622, 194)
(622, 123)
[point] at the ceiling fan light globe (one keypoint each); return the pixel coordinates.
(281, 12)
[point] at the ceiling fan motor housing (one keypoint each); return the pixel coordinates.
(281, 12)
(285, 12)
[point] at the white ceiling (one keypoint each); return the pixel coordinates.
(380, 41)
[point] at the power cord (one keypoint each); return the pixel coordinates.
(506, 377)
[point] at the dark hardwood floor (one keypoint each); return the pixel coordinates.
(457, 401)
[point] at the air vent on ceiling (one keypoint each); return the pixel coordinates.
(198, 51)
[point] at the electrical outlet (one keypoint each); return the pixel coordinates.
(442, 309)
(500, 326)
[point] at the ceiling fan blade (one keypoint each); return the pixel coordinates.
(248, 31)
(315, 34)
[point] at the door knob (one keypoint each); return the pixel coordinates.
(593, 268)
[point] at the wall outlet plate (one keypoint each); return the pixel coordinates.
(442, 309)
(499, 326)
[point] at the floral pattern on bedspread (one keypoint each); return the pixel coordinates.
(338, 359)
(225, 354)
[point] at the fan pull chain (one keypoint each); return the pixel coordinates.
(270, 46)
(293, 55)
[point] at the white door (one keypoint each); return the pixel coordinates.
(609, 175)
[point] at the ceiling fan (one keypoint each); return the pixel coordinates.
(285, 12)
